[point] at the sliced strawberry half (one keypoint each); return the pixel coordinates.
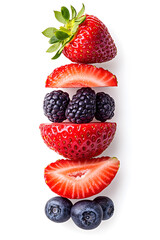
(80, 179)
(80, 75)
(78, 141)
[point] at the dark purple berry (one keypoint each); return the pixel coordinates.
(107, 206)
(55, 104)
(58, 209)
(86, 214)
(82, 107)
(105, 107)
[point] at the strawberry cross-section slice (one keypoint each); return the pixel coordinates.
(81, 178)
(80, 75)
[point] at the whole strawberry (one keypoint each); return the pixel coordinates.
(82, 39)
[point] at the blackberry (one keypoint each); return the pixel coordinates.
(82, 107)
(105, 107)
(55, 104)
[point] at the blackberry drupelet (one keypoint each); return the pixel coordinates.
(55, 104)
(82, 107)
(105, 107)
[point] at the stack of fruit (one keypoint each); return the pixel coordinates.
(83, 39)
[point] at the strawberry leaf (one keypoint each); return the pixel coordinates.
(75, 27)
(59, 17)
(53, 48)
(58, 53)
(53, 39)
(81, 19)
(49, 32)
(65, 13)
(61, 35)
(63, 29)
(81, 11)
(74, 13)
(68, 40)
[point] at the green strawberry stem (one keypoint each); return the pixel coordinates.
(60, 37)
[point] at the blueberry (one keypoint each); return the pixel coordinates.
(58, 209)
(107, 206)
(86, 214)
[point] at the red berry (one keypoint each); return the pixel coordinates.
(80, 75)
(92, 43)
(81, 178)
(82, 38)
(78, 141)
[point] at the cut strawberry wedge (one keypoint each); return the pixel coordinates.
(80, 75)
(78, 141)
(81, 178)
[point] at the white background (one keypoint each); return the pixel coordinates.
(134, 25)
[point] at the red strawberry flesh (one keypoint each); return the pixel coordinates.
(80, 178)
(78, 141)
(80, 75)
(92, 43)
